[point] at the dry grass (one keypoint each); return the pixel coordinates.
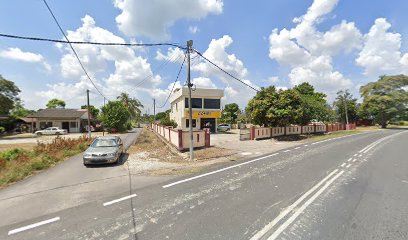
(212, 152)
(26, 146)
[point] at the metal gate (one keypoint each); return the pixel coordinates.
(244, 134)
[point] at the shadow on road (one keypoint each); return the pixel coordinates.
(121, 161)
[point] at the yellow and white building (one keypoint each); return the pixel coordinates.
(206, 107)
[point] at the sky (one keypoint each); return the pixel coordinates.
(332, 44)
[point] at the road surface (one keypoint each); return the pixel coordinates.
(353, 187)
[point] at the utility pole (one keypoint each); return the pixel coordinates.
(345, 109)
(103, 127)
(190, 111)
(89, 114)
(154, 109)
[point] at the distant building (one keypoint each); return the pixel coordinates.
(206, 107)
(73, 120)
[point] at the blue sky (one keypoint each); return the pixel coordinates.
(333, 44)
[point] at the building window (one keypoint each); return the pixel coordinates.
(176, 107)
(73, 125)
(196, 102)
(44, 125)
(212, 103)
(194, 123)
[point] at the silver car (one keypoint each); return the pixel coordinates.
(102, 150)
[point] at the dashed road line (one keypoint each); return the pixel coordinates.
(342, 165)
(348, 165)
(286, 151)
(348, 160)
(34, 225)
(355, 155)
(119, 200)
(217, 171)
(305, 145)
(297, 147)
(354, 160)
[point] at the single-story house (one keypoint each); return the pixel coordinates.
(24, 124)
(73, 120)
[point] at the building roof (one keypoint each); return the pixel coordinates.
(59, 113)
(27, 119)
(197, 92)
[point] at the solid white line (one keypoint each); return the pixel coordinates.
(217, 171)
(349, 159)
(17, 230)
(302, 208)
(285, 212)
(342, 165)
(297, 147)
(287, 150)
(118, 200)
(348, 165)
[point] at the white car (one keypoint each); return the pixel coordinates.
(224, 127)
(51, 131)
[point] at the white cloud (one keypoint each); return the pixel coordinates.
(193, 29)
(273, 79)
(309, 52)
(152, 18)
(18, 55)
(381, 52)
(131, 73)
(216, 52)
(203, 82)
(173, 54)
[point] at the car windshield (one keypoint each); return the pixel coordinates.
(104, 143)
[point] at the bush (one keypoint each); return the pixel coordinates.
(168, 122)
(2, 129)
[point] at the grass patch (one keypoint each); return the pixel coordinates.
(19, 163)
(339, 133)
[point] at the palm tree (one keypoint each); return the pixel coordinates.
(132, 105)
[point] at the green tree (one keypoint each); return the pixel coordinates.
(132, 105)
(115, 115)
(94, 111)
(20, 111)
(386, 98)
(8, 95)
(230, 113)
(161, 115)
(345, 101)
(299, 105)
(55, 103)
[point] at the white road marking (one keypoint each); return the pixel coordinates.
(342, 165)
(297, 147)
(349, 159)
(360, 155)
(34, 225)
(119, 200)
(285, 212)
(217, 171)
(246, 153)
(348, 165)
(287, 150)
(354, 160)
(303, 207)
(305, 145)
(355, 155)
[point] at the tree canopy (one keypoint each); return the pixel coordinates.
(345, 100)
(8, 95)
(132, 105)
(55, 103)
(94, 111)
(299, 105)
(230, 113)
(115, 115)
(386, 98)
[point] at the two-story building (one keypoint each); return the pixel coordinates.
(206, 107)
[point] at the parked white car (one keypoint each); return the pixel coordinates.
(223, 127)
(51, 131)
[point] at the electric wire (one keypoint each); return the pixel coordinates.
(224, 71)
(73, 50)
(175, 81)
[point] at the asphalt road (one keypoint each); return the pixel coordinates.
(354, 187)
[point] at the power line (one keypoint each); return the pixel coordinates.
(229, 74)
(174, 84)
(91, 43)
(73, 50)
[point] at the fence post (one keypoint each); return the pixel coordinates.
(207, 137)
(252, 133)
(180, 139)
(169, 136)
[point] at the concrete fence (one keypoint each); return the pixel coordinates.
(181, 139)
(266, 132)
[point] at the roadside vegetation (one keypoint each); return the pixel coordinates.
(18, 163)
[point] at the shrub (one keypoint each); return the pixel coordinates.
(168, 122)
(2, 129)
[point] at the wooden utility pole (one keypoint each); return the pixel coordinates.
(89, 114)
(154, 109)
(190, 112)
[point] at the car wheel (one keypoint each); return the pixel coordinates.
(39, 134)
(57, 133)
(86, 165)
